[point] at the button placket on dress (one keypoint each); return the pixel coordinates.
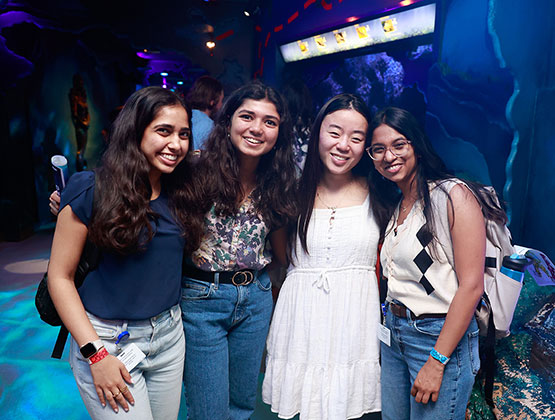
(329, 237)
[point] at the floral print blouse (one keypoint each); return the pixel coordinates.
(232, 243)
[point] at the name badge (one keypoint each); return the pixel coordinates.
(384, 335)
(131, 356)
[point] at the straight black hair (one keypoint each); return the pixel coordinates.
(313, 169)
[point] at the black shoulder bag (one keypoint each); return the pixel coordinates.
(45, 307)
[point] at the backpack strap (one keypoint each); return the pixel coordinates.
(89, 260)
(489, 360)
(491, 262)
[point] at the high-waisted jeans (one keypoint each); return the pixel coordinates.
(411, 342)
(225, 329)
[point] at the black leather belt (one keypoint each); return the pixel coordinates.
(400, 311)
(237, 278)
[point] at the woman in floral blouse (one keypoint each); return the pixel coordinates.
(246, 177)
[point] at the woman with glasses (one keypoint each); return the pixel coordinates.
(323, 358)
(433, 250)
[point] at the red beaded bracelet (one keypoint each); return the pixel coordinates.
(98, 356)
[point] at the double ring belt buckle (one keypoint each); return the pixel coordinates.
(242, 278)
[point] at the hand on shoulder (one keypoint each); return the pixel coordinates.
(54, 203)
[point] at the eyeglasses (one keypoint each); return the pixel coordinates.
(399, 148)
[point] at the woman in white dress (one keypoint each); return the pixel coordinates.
(323, 351)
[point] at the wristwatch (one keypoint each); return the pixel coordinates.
(91, 348)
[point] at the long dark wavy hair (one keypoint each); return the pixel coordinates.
(313, 169)
(429, 167)
(122, 219)
(218, 166)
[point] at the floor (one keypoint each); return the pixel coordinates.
(32, 385)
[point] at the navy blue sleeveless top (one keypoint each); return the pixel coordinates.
(137, 286)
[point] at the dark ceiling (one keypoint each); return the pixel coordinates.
(179, 25)
(163, 24)
(175, 29)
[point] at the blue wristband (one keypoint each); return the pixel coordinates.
(439, 357)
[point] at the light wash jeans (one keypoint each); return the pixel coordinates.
(225, 329)
(411, 342)
(157, 379)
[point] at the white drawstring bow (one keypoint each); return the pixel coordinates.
(322, 281)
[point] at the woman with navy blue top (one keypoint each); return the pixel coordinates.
(143, 221)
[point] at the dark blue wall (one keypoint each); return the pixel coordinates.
(493, 88)
(467, 96)
(41, 57)
(526, 47)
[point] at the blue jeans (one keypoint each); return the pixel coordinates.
(157, 379)
(411, 342)
(225, 329)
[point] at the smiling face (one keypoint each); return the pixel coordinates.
(400, 170)
(254, 128)
(342, 141)
(165, 141)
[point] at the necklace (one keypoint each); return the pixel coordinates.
(345, 192)
(402, 210)
(332, 208)
(405, 207)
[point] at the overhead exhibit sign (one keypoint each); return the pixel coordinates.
(393, 27)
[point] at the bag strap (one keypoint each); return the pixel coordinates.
(489, 360)
(60, 343)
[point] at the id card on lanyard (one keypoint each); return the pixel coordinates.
(384, 334)
(130, 355)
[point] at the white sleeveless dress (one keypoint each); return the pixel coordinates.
(323, 350)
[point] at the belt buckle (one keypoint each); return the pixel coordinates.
(242, 278)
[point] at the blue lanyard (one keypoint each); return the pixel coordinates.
(124, 334)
